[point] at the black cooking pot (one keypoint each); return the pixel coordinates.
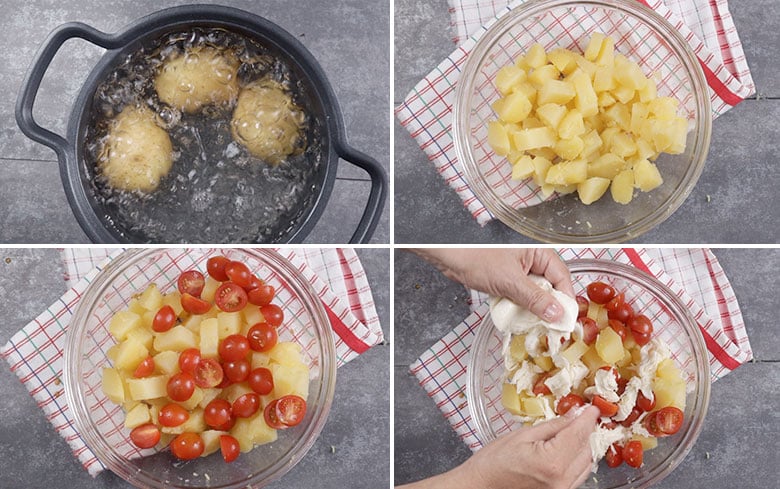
(77, 175)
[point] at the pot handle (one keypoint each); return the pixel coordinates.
(32, 81)
(377, 196)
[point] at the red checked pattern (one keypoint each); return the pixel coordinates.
(426, 111)
(35, 352)
(693, 274)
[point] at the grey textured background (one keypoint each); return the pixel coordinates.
(349, 38)
(33, 455)
(742, 425)
(740, 177)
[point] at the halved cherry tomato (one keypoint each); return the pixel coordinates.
(193, 305)
(633, 416)
(633, 453)
(238, 273)
(615, 301)
(622, 383)
(216, 268)
(262, 295)
(583, 304)
(254, 283)
(600, 293)
(145, 368)
(261, 380)
(172, 415)
(271, 417)
(187, 446)
(164, 319)
(217, 414)
(644, 403)
(614, 456)
(290, 409)
(245, 406)
(669, 420)
(229, 447)
(623, 312)
(590, 330)
(641, 339)
(208, 374)
(236, 371)
(191, 282)
(273, 314)
(262, 337)
(640, 324)
(607, 408)
(230, 297)
(651, 425)
(567, 402)
(180, 387)
(233, 348)
(540, 387)
(146, 435)
(619, 328)
(189, 360)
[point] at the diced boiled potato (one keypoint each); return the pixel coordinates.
(167, 362)
(211, 441)
(645, 150)
(151, 299)
(609, 346)
(648, 92)
(607, 165)
(623, 94)
(551, 115)
(563, 60)
(669, 393)
(135, 307)
(571, 125)
(585, 66)
(229, 323)
(528, 90)
(259, 359)
(664, 108)
(234, 391)
(556, 92)
(575, 351)
(622, 187)
(620, 116)
(290, 379)
(668, 370)
(261, 432)
(508, 78)
(173, 299)
(210, 289)
(592, 359)
(513, 108)
(194, 400)
(286, 353)
(648, 443)
(129, 354)
(605, 99)
(646, 176)
(209, 338)
(622, 145)
(625, 361)
(142, 335)
(193, 323)
(510, 400)
(594, 46)
(565, 189)
(195, 424)
(606, 56)
(531, 123)
(567, 173)
(498, 138)
(591, 142)
(544, 362)
(209, 395)
(111, 352)
(592, 189)
(113, 387)
(546, 153)
(603, 80)
(540, 76)
(534, 138)
(535, 406)
(517, 349)
(137, 416)
(535, 57)
(569, 149)
(523, 168)
(122, 323)
(629, 74)
(585, 100)
(148, 387)
(177, 338)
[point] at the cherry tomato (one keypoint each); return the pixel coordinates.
(540, 387)
(233, 348)
(262, 295)
(614, 456)
(600, 293)
(172, 415)
(644, 403)
(164, 319)
(261, 380)
(669, 420)
(640, 324)
(623, 312)
(145, 436)
(590, 330)
(193, 305)
(567, 402)
(208, 374)
(187, 446)
(619, 328)
(191, 282)
(615, 301)
(230, 297)
(254, 283)
(217, 414)
(247, 405)
(622, 383)
(633, 416)
(607, 408)
(641, 339)
(189, 360)
(290, 409)
(180, 387)
(238, 273)
(236, 371)
(583, 305)
(632, 453)
(262, 337)
(229, 447)
(273, 314)
(215, 266)
(651, 425)
(271, 417)
(145, 368)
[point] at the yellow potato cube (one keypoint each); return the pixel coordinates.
(210, 289)
(523, 168)
(607, 165)
(585, 100)
(173, 299)
(630, 75)
(535, 57)
(135, 307)
(639, 115)
(663, 107)
(542, 75)
(498, 138)
(531, 123)
(195, 424)
(556, 92)
(668, 370)
(609, 346)
(167, 362)
(517, 348)
(544, 362)
(234, 391)
(290, 379)
(535, 406)
(569, 149)
(575, 351)
(286, 353)
(259, 359)
(646, 176)
(679, 134)
(565, 189)
(137, 416)
(571, 125)
(148, 387)
(645, 150)
(551, 114)
(594, 46)
(142, 335)
(113, 386)
(211, 441)
(541, 167)
(547, 153)
(622, 145)
(592, 359)
(177, 338)
(122, 323)
(527, 89)
(592, 189)
(563, 60)
(648, 443)
(605, 99)
(587, 67)
(623, 94)
(622, 187)
(567, 173)
(208, 396)
(151, 299)
(648, 92)
(508, 78)
(591, 142)
(194, 400)
(209, 338)
(228, 323)
(534, 138)
(603, 80)
(669, 393)
(620, 116)
(510, 400)
(129, 354)
(606, 55)
(513, 108)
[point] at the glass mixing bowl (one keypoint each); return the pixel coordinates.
(673, 324)
(640, 34)
(100, 422)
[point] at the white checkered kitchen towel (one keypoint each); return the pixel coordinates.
(427, 109)
(35, 353)
(693, 274)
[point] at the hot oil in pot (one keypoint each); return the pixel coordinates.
(216, 189)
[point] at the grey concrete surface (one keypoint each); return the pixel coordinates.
(34, 456)
(349, 38)
(737, 447)
(733, 201)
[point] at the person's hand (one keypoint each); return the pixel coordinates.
(504, 273)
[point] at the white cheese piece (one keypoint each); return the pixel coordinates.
(602, 438)
(605, 386)
(651, 355)
(524, 377)
(566, 379)
(628, 399)
(509, 317)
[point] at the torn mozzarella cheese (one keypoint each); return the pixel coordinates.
(566, 379)
(653, 354)
(602, 438)
(605, 386)
(512, 318)
(523, 378)
(628, 399)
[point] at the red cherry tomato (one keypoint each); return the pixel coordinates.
(583, 305)
(600, 293)
(180, 387)
(633, 416)
(614, 456)
(540, 387)
(229, 447)
(641, 339)
(619, 328)
(254, 283)
(230, 297)
(622, 383)
(261, 380)
(609, 425)
(262, 337)
(290, 409)
(236, 371)
(208, 374)
(145, 436)
(238, 273)
(187, 446)
(145, 368)
(607, 408)
(271, 417)
(567, 402)
(615, 301)
(651, 425)
(669, 420)
(189, 360)
(590, 330)
(193, 305)
(233, 348)
(640, 324)
(632, 453)
(262, 295)
(247, 405)
(623, 312)
(217, 414)
(191, 282)
(273, 314)
(215, 266)
(644, 403)
(164, 319)
(173, 415)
